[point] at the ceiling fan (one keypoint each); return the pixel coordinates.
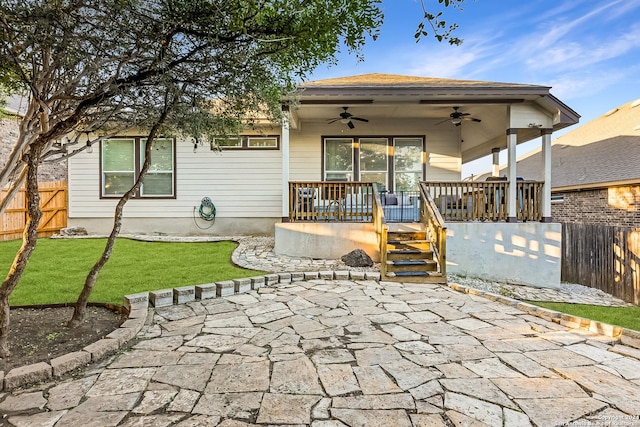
(457, 117)
(346, 118)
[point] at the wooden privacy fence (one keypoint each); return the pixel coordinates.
(53, 202)
(604, 257)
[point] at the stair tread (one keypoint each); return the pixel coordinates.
(406, 251)
(411, 262)
(407, 242)
(410, 274)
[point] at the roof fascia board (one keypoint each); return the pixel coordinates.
(597, 185)
(567, 115)
(439, 91)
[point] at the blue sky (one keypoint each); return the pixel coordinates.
(588, 51)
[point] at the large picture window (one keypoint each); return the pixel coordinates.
(397, 164)
(122, 160)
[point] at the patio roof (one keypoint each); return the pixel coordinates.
(391, 97)
(602, 152)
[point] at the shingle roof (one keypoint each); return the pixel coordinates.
(604, 150)
(622, 120)
(391, 80)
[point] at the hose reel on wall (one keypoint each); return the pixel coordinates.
(206, 212)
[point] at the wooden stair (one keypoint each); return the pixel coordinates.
(410, 257)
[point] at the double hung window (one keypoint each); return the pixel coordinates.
(122, 160)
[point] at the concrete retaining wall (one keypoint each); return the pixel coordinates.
(520, 253)
(325, 240)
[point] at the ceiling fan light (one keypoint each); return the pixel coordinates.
(456, 121)
(344, 121)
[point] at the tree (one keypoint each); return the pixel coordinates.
(98, 67)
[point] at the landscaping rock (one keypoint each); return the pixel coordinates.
(73, 231)
(357, 258)
(27, 374)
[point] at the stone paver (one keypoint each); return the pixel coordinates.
(333, 352)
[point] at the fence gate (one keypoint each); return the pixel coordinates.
(53, 203)
(604, 257)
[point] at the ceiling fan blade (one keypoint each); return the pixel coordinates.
(334, 120)
(471, 119)
(359, 118)
(442, 121)
(350, 124)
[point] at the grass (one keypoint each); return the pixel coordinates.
(58, 268)
(627, 317)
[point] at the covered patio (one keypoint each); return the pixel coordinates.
(375, 149)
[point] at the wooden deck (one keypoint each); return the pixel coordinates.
(407, 253)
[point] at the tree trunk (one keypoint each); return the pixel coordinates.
(29, 240)
(13, 190)
(80, 307)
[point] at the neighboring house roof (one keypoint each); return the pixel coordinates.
(602, 152)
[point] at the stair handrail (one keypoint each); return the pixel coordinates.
(435, 226)
(381, 229)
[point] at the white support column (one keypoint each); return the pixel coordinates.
(284, 149)
(512, 139)
(546, 187)
(495, 166)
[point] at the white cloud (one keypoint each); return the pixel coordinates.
(579, 54)
(574, 85)
(442, 64)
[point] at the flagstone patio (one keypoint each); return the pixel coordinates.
(326, 352)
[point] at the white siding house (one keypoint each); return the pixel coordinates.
(392, 130)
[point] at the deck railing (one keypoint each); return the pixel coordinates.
(382, 229)
(331, 201)
(486, 200)
(435, 227)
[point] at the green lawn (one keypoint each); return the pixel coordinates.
(627, 317)
(58, 267)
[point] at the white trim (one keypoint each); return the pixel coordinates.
(546, 186)
(285, 164)
(512, 140)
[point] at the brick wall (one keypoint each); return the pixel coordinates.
(612, 206)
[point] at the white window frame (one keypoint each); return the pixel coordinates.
(137, 158)
(347, 173)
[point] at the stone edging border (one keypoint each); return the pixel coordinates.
(138, 306)
(625, 336)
